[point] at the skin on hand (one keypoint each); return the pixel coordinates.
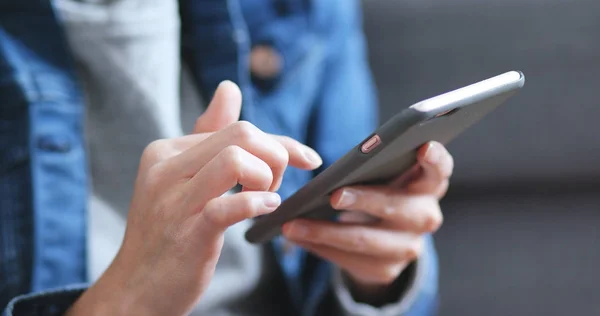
(178, 213)
(374, 255)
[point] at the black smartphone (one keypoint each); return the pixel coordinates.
(391, 149)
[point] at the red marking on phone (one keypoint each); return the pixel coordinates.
(451, 111)
(370, 144)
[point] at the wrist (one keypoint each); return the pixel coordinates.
(375, 295)
(378, 295)
(115, 293)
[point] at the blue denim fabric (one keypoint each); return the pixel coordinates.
(46, 303)
(324, 97)
(43, 178)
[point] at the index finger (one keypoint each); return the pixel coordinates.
(276, 151)
(300, 155)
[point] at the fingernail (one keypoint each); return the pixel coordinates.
(347, 199)
(295, 230)
(271, 200)
(433, 154)
(224, 83)
(312, 156)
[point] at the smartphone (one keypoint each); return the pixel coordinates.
(391, 149)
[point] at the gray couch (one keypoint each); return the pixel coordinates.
(522, 219)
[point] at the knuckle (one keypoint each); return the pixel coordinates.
(434, 220)
(232, 159)
(248, 206)
(153, 152)
(282, 156)
(283, 150)
(211, 214)
(237, 164)
(287, 139)
(155, 145)
(244, 131)
(232, 153)
(264, 176)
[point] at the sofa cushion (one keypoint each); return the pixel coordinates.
(520, 255)
(550, 131)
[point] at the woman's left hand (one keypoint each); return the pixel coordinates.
(374, 255)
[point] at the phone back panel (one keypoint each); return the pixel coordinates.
(396, 153)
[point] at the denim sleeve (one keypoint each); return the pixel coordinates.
(47, 303)
(419, 297)
(346, 113)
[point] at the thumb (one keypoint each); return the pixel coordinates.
(223, 110)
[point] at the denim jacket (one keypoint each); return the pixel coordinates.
(43, 171)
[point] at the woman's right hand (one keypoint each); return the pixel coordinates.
(178, 213)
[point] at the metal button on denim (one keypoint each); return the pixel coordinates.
(265, 62)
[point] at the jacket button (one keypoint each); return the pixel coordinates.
(54, 144)
(265, 62)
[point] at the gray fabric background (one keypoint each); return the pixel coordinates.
(521, 235)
